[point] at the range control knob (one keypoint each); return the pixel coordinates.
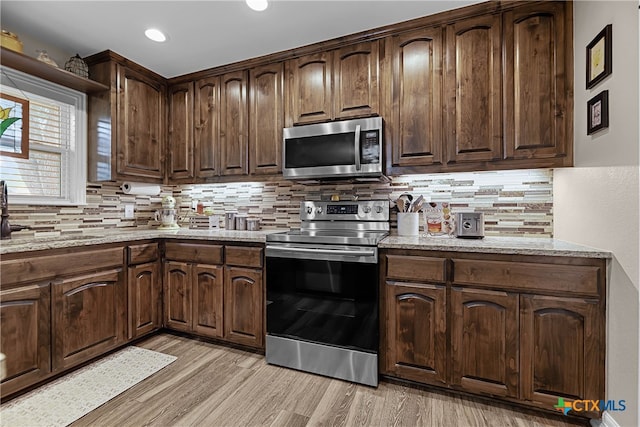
(378, 209)
(366, 209)
(319, 209)
(309, 210)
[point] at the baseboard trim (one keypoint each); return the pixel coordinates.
(608, 420)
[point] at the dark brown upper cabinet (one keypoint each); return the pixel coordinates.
(332, 85)
(180, 153)
(207, 127)
(234, 135)
(538, 83)
(414, 121)
(266, 119)
(473, 90)
(127, 122)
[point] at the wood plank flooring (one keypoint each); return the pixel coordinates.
(213, 385)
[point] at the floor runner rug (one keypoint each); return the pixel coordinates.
(72, 396)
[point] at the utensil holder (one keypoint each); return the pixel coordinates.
(408, 223)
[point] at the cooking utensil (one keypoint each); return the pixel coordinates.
(401, 205)
(416, 205)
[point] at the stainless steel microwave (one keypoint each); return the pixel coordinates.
(342, 149)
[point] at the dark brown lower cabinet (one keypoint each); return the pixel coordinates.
(243, 306)
(562, 353)
(484, 341)
(177, 286)
(416, 331)
(25, 335)
(89, 316)
(145, 299)
(208, 300)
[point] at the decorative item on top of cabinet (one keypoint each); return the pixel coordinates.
(144, 289)
(333, 85)
(414, 120)
(25, 335)
(126, 122)
(266, 119)
(538, 84)
(180, 139)
(472, 100)
(234, 138)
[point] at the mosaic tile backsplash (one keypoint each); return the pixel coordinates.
(515, 203)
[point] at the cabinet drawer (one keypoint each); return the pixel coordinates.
(416, 268)
(139, 254)
(194, 252)
(243, 256)
(574, 279)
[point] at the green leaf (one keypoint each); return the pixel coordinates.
(4, 125)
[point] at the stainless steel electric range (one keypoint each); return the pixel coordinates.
(322, 290)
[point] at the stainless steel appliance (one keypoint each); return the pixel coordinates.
(322, 290)
(348, 148)
(470, 225)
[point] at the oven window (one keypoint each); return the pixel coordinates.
(321, 150)
(328, 302)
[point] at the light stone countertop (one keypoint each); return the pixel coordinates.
(490, 244)
(100, 237)
(495, 245)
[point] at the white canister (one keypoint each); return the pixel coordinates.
(408, 223)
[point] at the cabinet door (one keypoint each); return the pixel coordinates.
(266, 119)
(562, 349)
(243, 305)
(535, 82)
(310, 88)
(145, 303)
(473, 85)
(484, 341)
(25, 335)
(177, 296)
(207, 127)
(140, 124)
(180, 144)
(416, 104)
(207, 300)
(234, 138)
(416, 331)
(89, 317)
(355, 73)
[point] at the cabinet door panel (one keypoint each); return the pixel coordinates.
(243, 306)
(144, 299)
(535, 82)
(207, 300)
(355, 72)
(207, 127)
(473, 90)
(416, 98)
(140, 150)
(177, 296)
(561, 349)
(234, 138)
(266, 119)
(89, 317)
(484, 341)
(25, 335)
(181, 161)
(310, 88)
(416, 331)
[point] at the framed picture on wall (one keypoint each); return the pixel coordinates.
(598, 112)
(599, 57)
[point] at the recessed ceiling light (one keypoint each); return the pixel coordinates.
(258, 5)
(155, 35)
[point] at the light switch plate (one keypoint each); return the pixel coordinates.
(129, 212)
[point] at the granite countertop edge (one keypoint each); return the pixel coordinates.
(490, 244)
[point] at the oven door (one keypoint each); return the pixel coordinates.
(323, 294)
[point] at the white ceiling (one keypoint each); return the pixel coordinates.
(202, 34)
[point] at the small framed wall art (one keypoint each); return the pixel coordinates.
(599, 57)
(598, 112)
(14, 126)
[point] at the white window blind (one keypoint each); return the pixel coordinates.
(55, 172)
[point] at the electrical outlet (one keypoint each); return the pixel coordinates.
(129, 212)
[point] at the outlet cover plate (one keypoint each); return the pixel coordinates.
(129, 211)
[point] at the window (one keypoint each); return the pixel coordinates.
(55, 171)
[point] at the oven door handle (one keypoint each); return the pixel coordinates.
(296, 252)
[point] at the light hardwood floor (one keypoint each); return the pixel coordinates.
(213, 385)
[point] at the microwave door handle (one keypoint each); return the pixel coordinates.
(357, 147)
